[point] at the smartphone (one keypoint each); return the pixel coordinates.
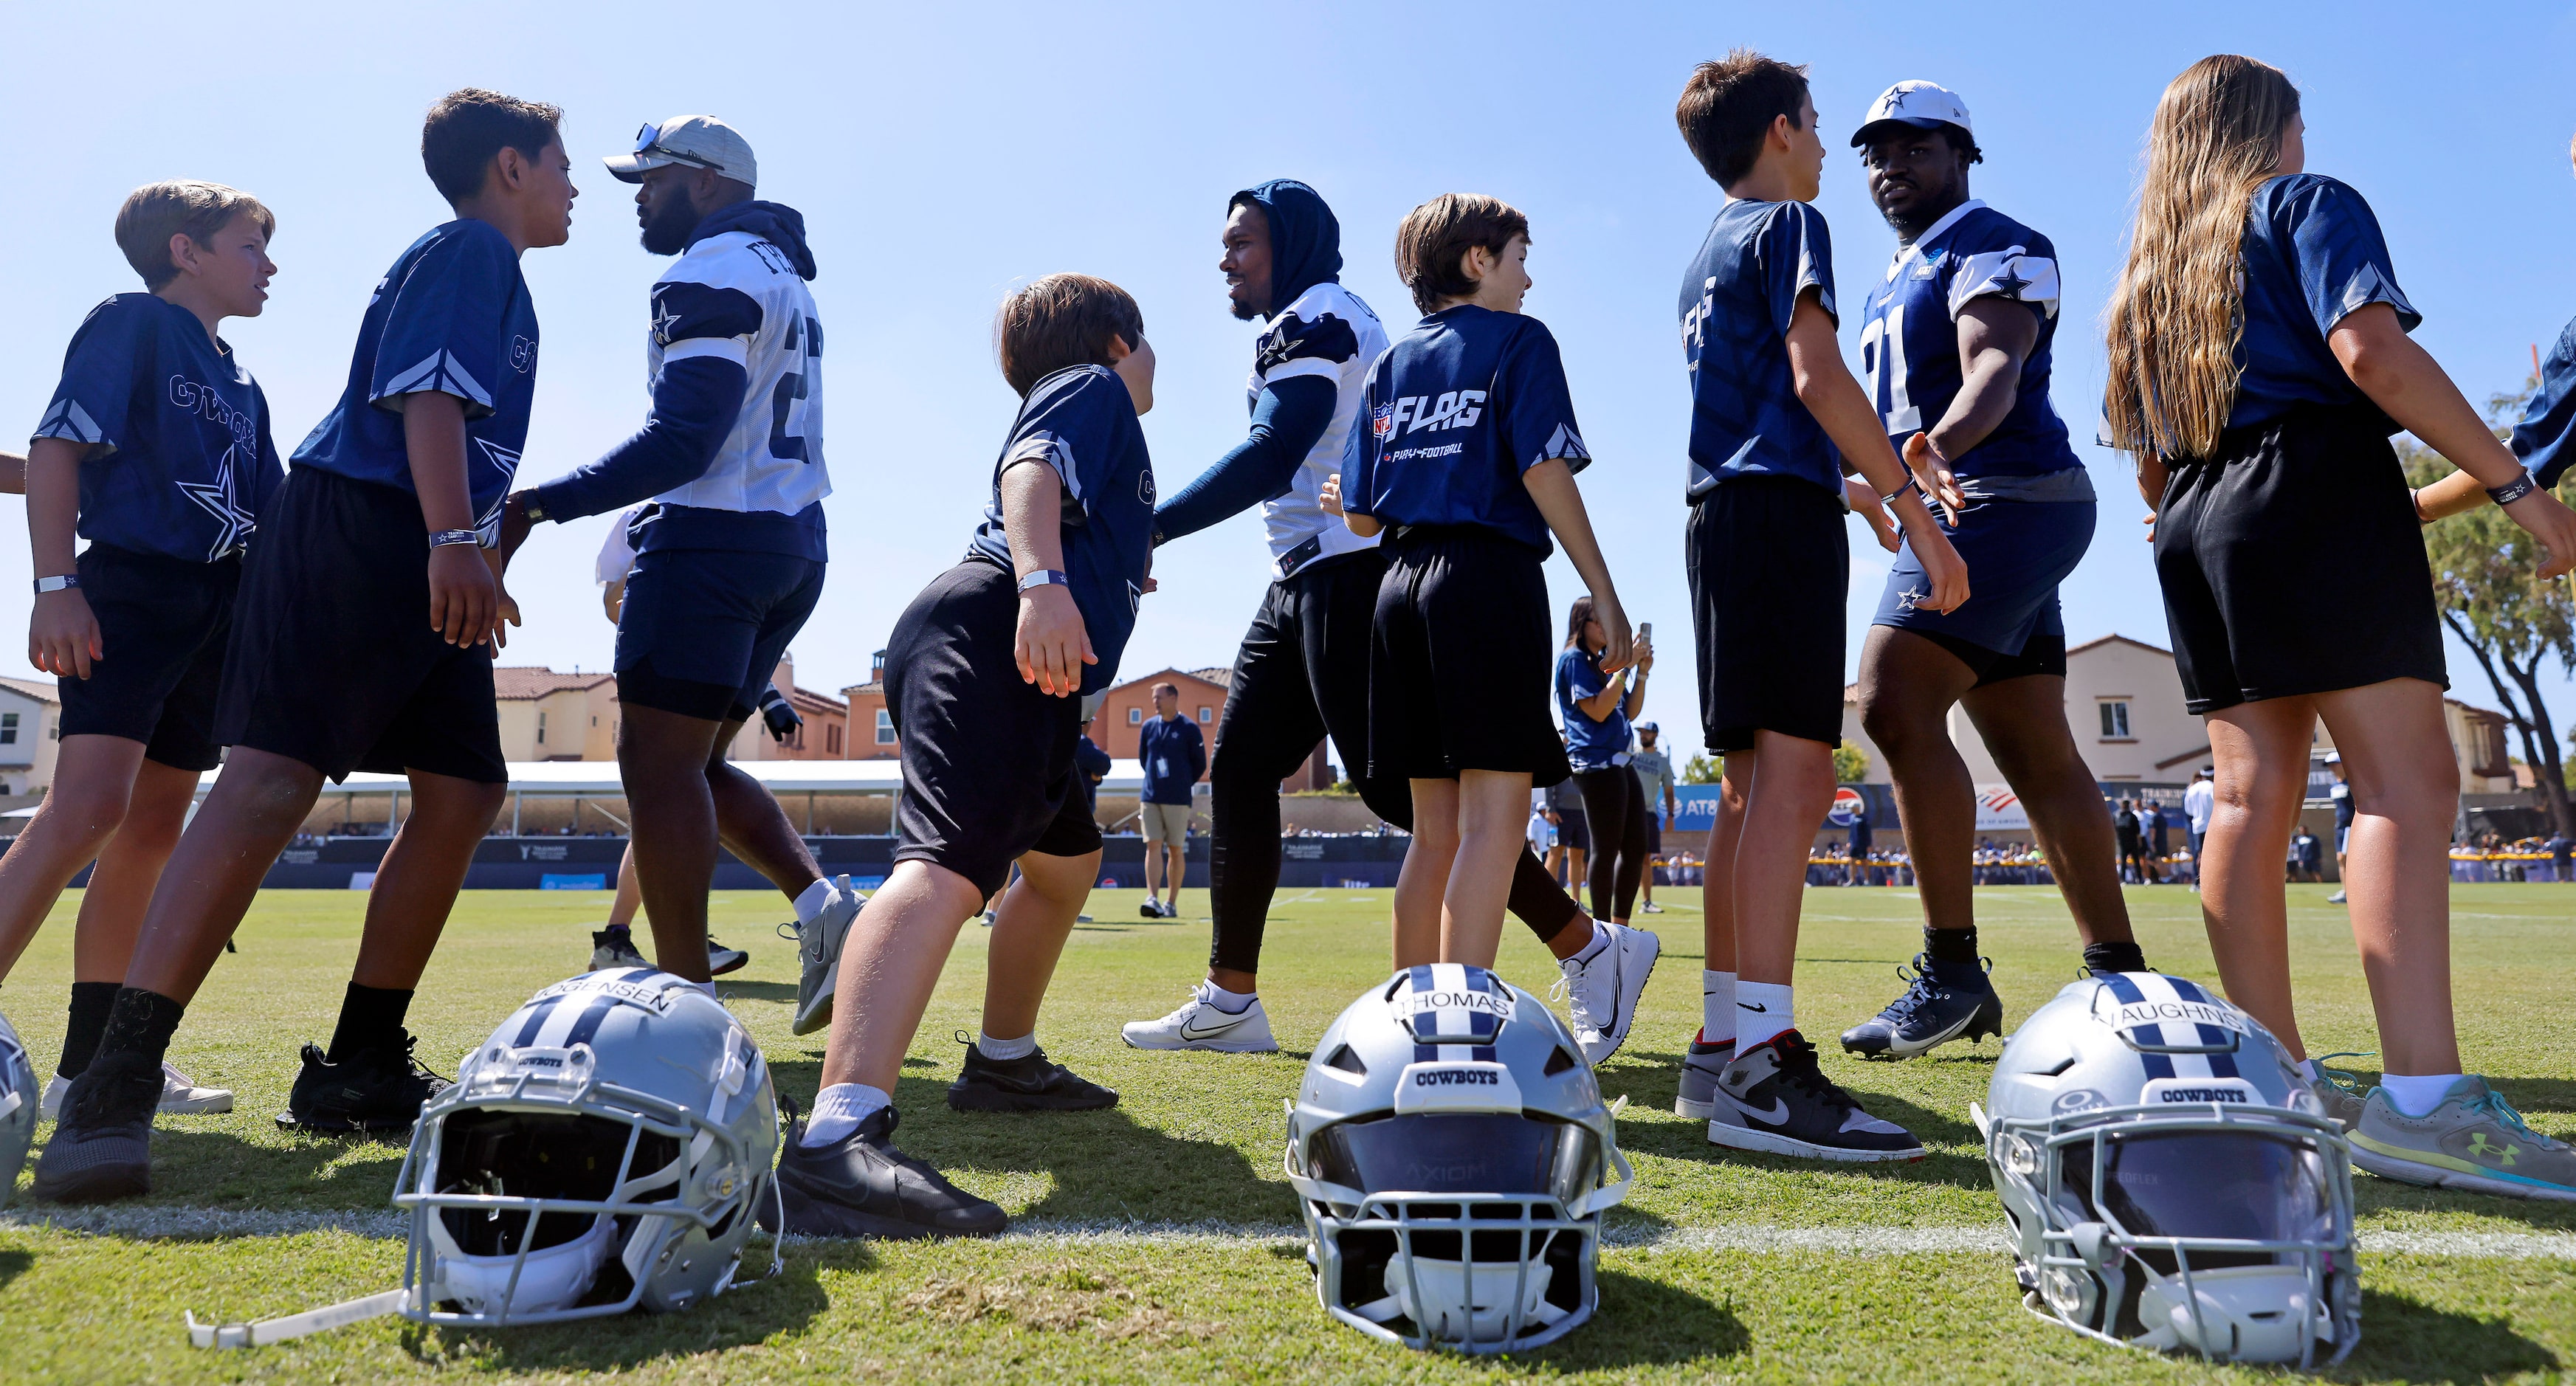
(1646, 629)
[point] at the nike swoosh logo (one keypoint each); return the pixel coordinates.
(1189, 1034)
(1759, 1010)
(1779, 1108)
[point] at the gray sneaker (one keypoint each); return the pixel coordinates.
(818, 955)
(2343, 1094)
(2472, 1140)
(1700, 1068)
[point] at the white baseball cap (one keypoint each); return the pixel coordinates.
(1922, 105)
(693, 141)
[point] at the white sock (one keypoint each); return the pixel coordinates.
(2316, 1072)
(709, 988)
(1230, 1002)
(839, 1109)
(1003, 1051)
(1716, 1006)
(811, 903)
(1763, 1010)
(2416, 1095)
(1600, 940)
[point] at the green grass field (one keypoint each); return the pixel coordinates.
(1153, 1241)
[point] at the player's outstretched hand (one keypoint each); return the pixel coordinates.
(1932, 473)
(1619, 649)
(1051, 644)
(2546, 519)
(1864, 502)
(1948, 572)
(62, 635)
(463, 598)
(1330, 498)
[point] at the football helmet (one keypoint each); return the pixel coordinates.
(2170, 1179)
(18, 1096)
(1453, 1158)
(605, 1148)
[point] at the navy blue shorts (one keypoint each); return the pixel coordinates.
(702, 629)
(2017, 553)
(162, 624)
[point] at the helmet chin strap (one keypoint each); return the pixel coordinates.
(278, 1330)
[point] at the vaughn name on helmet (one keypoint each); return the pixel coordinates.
(2170, 1178)
(1453, 1157)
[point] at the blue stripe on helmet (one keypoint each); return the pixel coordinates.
(536, 1021)
(2221, 1063)
(590, 1020)
(2123, 987)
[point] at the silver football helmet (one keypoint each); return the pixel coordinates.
(2170, 1179)
(17, 1108)
(1453, 1158)
(605, 1148)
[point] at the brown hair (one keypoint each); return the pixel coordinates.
(1728, 105)
(2174, 318)
(155, 212)
(1167, 687)
(1060, 321)
(469, 128)
(1576, 618)
(1435, 239)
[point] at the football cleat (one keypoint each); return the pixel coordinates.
(1201, 1024)
(374, 1092)
(1030, 1083)
(861, 1186)
(818, 955)
(102, 1148)
(1700, 1067)
(1942, 1002)
(1773, 1098)
(1601, 995)
(614, 948)
(2473, 1139)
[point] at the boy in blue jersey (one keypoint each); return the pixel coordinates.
(362, 639)
(1464, 459)
(988, 676)
(1776, 424)
(156, 450)
(1955, 344)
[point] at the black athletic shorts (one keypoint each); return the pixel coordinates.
(1574, 830)
(1460, 659)
(1769, 570)
(2292, 563)
(702, 630)
(1654, 832)
(332, 660)
(988, 768)
(162, 624)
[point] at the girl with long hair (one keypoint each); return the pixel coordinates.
(1597, 708)
(2258, 364)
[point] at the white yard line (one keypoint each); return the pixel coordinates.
(197, 1223)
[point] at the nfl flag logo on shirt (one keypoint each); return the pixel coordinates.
(1382, 420)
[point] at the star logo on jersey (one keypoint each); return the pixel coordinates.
(1910, 600)
(663, 320)
(2009, 282)
(216, 499)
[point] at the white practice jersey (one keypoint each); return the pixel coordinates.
(1328, 332)
(735, 295)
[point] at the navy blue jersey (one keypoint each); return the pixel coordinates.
(1909, 338)
(2313, 254)
(175, 434)
(1737, 303)
(1589, 744)
(452, 316)
(2545, 436)
(1082, 422)
(1457, 410)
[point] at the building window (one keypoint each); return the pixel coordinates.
(2115, 720)
(1135, 716)
(541, 728)
(831, 741)
(885, 727)
(1206, 713)
(8, 729)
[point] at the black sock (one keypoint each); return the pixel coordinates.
(91, 1001)
(2124, 956)
(139, 1024)
(1951, 945)
(618, 931)
(370, 1018)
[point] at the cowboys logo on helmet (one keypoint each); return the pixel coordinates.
(2170, 1179)
(17, 1108)
(1451, 1149)
(605, 1148)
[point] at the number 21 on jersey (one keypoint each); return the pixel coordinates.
(1882, 357)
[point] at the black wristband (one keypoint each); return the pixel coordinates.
(1913, 484)
(2515, 489)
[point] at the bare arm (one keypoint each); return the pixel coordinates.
(1598, 706)
(1551, 485)
(1050, 644)
(463, 597)
(13, 474)
(1825, 385)
(1365, 526)
(62, 634)
(1995, 337)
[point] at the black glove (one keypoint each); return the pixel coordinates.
(778, 714)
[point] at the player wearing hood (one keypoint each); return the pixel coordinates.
(729, 560)
(1303, 670)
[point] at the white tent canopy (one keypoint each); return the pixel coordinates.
(599, 778)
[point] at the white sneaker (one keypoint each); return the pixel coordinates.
(1200, 1024)
(180, 1095)
(1652, 908)
(1602, 995)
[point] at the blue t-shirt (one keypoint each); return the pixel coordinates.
(1081, 422)
(1909, 338)
(452, 316)
(177, 456)
(1174, 755)
(1737, 302)
(1589, 745)
(2313, 254)
(2545, 436)
(1457, 410)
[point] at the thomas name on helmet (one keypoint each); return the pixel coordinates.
(1462, 1001)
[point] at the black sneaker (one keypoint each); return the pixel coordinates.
(1942, 1002)
(614, 948)
(1029, 1084)
(1773, 1098)
(1149, 909)
(102, 1147)
(861, 1186)
(721, 960)
(372, 1092)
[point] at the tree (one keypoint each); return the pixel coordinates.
(1703, 770)
(1851, 763)
(2484, 569)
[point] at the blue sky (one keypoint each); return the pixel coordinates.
(944, 154)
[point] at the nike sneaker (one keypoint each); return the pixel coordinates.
(2472, 1140)
(102, 1148)
(2335, 899)
(1943, 1001)
(180, 1096)
(1651, 908)
(374, 1092)
(1030, 1083)
(721, 960)
(1773, 1098)
(818, 955)
(1601, 995)
(1700, 1067)
(614, 948)
(1150, 909)
(1202, 1024)
(861, 1186)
